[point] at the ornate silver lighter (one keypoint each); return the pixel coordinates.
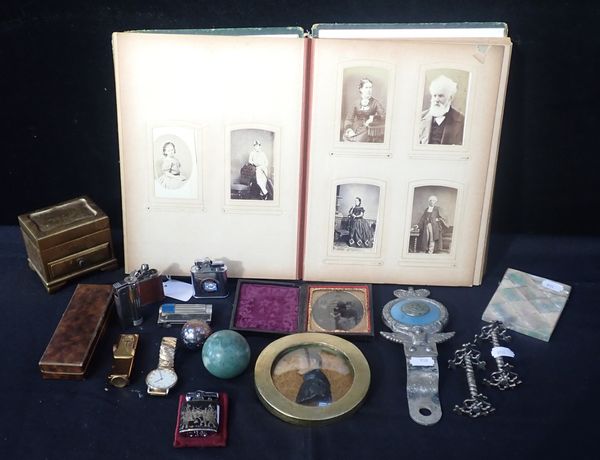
(200, 414)
(416, 322)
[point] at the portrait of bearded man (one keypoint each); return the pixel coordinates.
(442, 123)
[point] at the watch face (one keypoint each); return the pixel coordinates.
(161, 379)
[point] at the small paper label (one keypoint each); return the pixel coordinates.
(422, 361)
(168, 308)
(178, 290)
(502, 351)
(553, 285)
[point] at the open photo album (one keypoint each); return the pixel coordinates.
(351, 154)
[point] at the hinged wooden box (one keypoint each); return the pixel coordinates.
(67, 240)
(74, 341)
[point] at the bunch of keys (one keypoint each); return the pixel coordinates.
(200, 414)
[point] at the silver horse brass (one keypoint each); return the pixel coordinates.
(416, 322)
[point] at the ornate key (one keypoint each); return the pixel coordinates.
(503, 378)
(416, 322)
(477, 405)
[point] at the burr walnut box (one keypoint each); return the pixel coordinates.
(72, 345)
(67, 240)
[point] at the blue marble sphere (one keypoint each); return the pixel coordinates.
(226, 354)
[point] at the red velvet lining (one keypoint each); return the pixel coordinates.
(267, 307)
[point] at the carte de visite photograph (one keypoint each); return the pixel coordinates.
(339, 309)
(356, 217)
(432, 220)
(174, 162)
(364, 100)
(443, 107)
(252, 158)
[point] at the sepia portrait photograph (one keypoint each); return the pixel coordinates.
(432, 219)
(363, 105)
(442, 119)
(339, 309)
(174, 162)
(252, 156)
(356, 214)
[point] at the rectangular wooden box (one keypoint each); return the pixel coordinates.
(67, 240)
(72, 345)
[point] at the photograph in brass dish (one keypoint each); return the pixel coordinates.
(312, 375)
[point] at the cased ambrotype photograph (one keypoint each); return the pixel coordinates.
(432, 219)
(363, 105)
(339, 309)
(312, 375)
(443, 109)
(356, 216)
(252, 157)
(174, 160)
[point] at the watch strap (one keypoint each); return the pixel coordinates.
(166, 354)
(157, 391)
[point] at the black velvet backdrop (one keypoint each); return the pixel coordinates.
(58, 115)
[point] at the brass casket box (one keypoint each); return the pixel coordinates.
(67, 240)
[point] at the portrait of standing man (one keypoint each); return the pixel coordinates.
(442, 121)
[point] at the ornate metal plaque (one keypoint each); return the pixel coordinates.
(416, 322)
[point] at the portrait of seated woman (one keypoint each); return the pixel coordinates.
(171, 176)
(365, 119)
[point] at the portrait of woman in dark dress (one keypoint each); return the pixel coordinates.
(361, 234)
(365, 112)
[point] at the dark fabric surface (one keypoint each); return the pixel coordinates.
(551, 413)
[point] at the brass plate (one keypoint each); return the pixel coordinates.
(341, 368)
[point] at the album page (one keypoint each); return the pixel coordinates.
(402, 156)
(210, 149)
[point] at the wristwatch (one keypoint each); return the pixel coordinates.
(123, 356)
(163, 378)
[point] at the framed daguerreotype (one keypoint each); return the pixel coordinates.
(342, 310)
(365, 90)
(311, 378)
(286, 308)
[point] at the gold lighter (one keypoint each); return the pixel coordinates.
(123, 356)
